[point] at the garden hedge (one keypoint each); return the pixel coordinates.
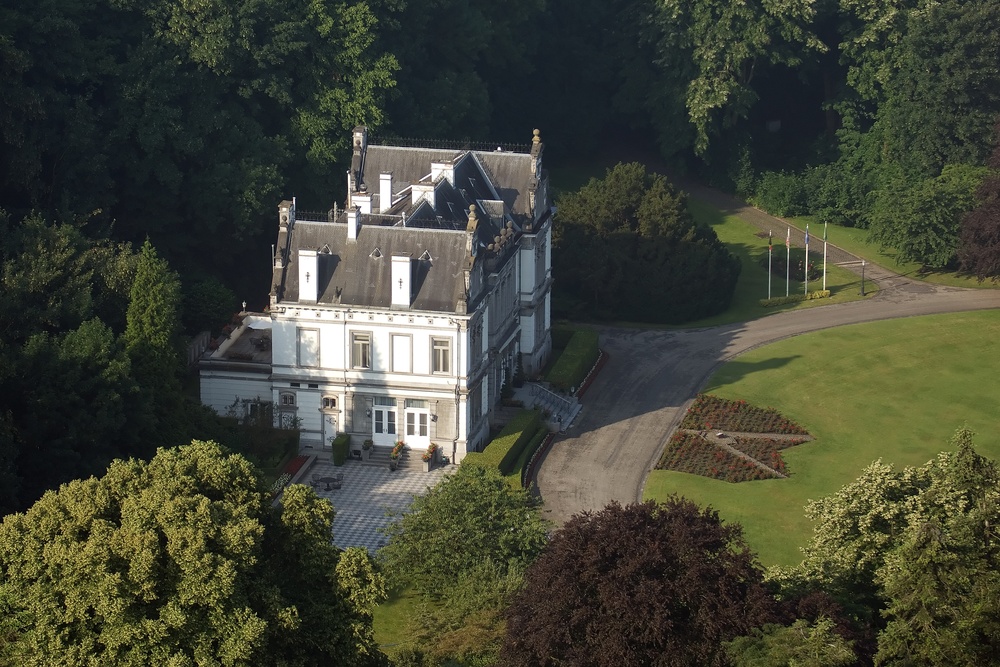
(561, 335)
(516, 476)
(575, 362)
(504, 450)
(341, 447)
(795, 298)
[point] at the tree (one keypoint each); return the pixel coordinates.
(923, 222)
(468, 518)
(153, 344)
(918, 548)
(463, 546)
(643, 584)
(801, 644)
(183, 561)
(979, 241)
(627, 248)
(710, 50)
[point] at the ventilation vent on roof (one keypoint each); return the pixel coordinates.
(326, 249)
(426, 255)
(376, 253)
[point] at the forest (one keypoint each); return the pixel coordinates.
(144, 146)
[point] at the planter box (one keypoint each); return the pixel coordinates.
(427, 465)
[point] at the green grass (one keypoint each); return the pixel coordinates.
(391, 618)
(891, 390)
(855, 241)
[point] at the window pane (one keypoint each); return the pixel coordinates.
(390, 421)
(423, 425)
(416, 403)
(385, 400)
(410, 424)
(378, 421)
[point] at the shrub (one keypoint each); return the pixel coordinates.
(516, 476)
(795, 298)
(575, 362)
(781, 194)
(504, 450)
(561, 336)
(340, 445)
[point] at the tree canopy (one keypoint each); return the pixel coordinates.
(643, 584)
(183, 561)
(916, 547)
(626, 247)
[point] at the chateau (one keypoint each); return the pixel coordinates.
(402, 315)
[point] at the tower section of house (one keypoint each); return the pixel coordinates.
(400, 315)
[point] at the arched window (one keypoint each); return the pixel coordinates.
(287, 399)
(329, 403)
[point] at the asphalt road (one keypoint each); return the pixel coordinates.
(651, 377)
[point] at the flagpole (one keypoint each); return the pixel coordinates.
(805, 270)
(769, 264)
(788, 257)
(824, 256)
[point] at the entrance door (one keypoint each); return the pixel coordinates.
(418, 428)
(329, 430)
(384, 425)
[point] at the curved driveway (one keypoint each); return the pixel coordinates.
(651, 377)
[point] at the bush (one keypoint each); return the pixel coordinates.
(795, 298)
(561, 336)
(341, 447)
(781, 194)
(576, 361)
(516, 476)
(504, 450)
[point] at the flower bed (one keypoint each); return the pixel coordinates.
(690, 453)
(711, 412)
(766, 450)
(295, 465)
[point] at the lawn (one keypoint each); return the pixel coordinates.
(391, 618)
(855, 241)
(894, 390)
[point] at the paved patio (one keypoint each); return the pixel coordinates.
(368, 498)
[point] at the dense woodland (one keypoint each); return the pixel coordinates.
(144, 146)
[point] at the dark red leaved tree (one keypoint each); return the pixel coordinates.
(645, 584)
(979, 241)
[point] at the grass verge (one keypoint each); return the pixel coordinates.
(888, 390)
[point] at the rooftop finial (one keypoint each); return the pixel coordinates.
(537, 136)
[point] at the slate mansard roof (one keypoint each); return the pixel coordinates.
(505, 190)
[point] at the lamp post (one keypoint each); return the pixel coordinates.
(862, 277)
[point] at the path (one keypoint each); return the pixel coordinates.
(640, 396)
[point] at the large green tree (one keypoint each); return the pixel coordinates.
(644, 584)
(184, 561)
(708, 52)
(918, 548)
(463, 546)
(625, 247)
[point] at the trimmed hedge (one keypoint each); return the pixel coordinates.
(516, 476)
(341, 447)
(795, 298)
(575, 362)
(561, 335)
(504, 450)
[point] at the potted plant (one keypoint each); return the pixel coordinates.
(429, 456)
(394, 455)
(366, 449)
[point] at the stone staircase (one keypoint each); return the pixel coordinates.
(408, 460)
(562, 409)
